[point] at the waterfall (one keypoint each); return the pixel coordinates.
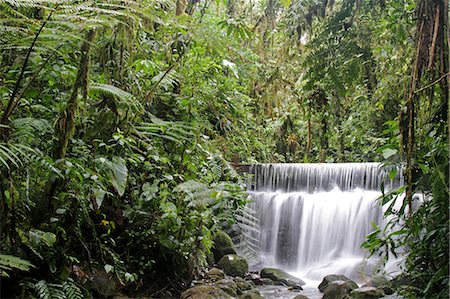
(312, 218)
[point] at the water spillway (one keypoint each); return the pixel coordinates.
(313, 218)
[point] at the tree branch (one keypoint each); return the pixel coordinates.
(431, 84)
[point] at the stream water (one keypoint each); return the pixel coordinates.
(311, 219)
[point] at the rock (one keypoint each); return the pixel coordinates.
(337, 289)
(210, 259)
(234, 231)
(268, 281)
(401, 280)
(329, 278)
(251, 294)
(280, 276)
(234, 286)
(300, 297)
(233, 265)
(242, 285)
(295, 288)
(103, 283)
(366, 293)
(223, 245)
(228, 287)
(215, 274)
(204, 292)
(381, 282)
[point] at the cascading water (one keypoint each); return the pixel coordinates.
(314, 217)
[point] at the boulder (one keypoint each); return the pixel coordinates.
(380, 282)
(103, 283)
(228, 286)
(295, 288)
(401, 280)
(233, 265)
(215, 274)
(330, 278)
(204, 292)
(234, 286)
(223, 245)
(257, 280)
(242, 285)
(300, 297)
(337, 289)
(366, 293)
(251, 294)
(279, 276)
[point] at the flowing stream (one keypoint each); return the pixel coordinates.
(310, 219)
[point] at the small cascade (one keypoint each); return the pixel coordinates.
(312, 218)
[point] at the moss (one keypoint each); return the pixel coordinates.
(251, 294)
(330, 278)
(366, 293)
(233, 265)
(223, 245)
(204, 292)
(280, 276)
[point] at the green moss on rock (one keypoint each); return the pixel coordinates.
(204, 292)
(279, 276)
(223, 245)
(334, 277)
(233, 265)
(367, 293)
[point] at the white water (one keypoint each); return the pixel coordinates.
(313, 218)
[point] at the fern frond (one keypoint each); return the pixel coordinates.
(112, 90)
(14, 154)
(10, 262)
(198, 195)
(31, 3)
(174, 131)
(124, 99)
(43, 290)
(71, 290)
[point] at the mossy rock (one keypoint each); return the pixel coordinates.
(223, 245)
(251, 294)
(279, 276)
(330, 278)
(381, 282)
(215, 274)
(337, 289)
(300, 297)
(242, 284)
(204, 292)
(233, 265)
(367, 293)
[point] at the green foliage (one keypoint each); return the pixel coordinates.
(10, 262)
(45, 290)
(162, 106)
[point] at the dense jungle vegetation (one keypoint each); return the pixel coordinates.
(121, 121)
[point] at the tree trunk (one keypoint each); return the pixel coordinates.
(180, 7)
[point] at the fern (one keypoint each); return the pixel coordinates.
(10, 262)
(174, 131)
(14, 154)
(123, 98)
(71, 290)
(46, 290)
(198, 195)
